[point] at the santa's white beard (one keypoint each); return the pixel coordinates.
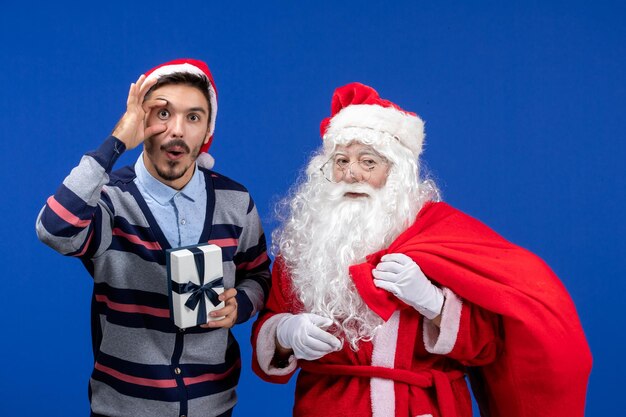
(327, 233)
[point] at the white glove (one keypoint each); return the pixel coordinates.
(305, 334)
(398, 274)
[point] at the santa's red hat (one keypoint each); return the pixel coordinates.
(197, 67)
(359, 106)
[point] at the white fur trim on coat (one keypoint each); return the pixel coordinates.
(382, 391)
(441, 340)
(266, 348)
(407, 128)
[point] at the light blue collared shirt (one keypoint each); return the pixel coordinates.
(179, 213)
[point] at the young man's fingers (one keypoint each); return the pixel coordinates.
(146, 85)
(228, 294)
(154, 130)
(149, 105)
(224, 311)
(140, 80)
(228, 321)
(131, 95)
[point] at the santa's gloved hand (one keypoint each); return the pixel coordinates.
(306, 335)
(398, 274)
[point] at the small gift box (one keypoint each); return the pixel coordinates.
(195, 280)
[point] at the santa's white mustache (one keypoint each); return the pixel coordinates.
(339, 190)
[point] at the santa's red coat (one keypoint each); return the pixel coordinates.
(545, 363)
(539, 367)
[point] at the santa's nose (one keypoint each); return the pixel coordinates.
(354, 173)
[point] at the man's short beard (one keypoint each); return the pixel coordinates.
(172, 173)
(326, 232)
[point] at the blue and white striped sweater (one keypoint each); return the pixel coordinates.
(144, 365)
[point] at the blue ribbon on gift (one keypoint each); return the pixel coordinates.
(198, 292)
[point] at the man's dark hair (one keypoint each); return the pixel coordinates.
(193, 80)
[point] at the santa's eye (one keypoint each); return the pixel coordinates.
(342, 162)
(368, 163)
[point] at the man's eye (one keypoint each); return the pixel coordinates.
(163, 114)
(194, 117)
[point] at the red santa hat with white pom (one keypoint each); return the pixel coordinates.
(197, 67)
(359, 106)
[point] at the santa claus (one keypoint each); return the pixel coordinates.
(387, 298)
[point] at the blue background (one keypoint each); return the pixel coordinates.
(524, 104)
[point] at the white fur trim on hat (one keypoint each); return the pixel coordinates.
(406, 128)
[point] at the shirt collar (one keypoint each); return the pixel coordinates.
(162, 193)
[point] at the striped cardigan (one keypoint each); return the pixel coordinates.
(143, 364)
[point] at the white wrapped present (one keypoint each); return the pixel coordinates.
(195, 280)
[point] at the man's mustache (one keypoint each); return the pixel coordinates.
(175, 143)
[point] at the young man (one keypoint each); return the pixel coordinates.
(386, 298)
(120, 224)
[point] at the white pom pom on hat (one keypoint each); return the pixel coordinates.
(356, 105)
(205, 160)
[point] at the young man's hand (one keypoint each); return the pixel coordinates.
(228, 312)
(131, 129)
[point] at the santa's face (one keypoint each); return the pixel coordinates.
(339, 216)
(357, 163)
(170, 156)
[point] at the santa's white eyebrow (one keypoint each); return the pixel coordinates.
(360, 152)
(367, 151)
